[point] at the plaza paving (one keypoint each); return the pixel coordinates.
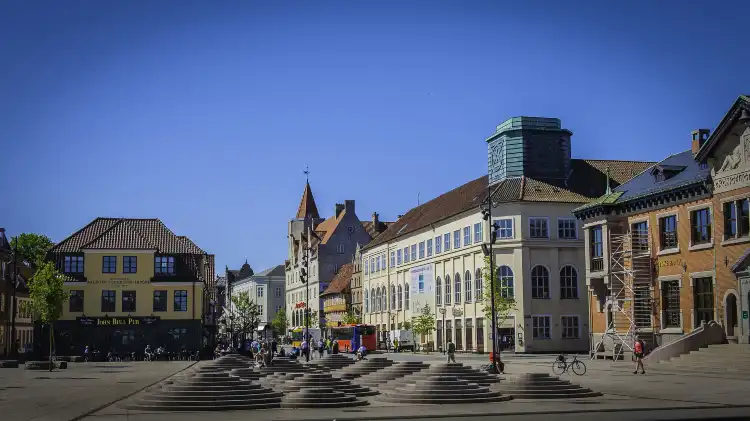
(74, 393)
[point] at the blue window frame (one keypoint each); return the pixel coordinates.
(109, 264)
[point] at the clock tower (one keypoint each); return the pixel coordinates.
(535, 147)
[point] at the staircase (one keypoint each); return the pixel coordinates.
(719, 359)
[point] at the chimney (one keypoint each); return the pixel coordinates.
(339, 208)
(375, 220)
(699, 138)
(349, 206)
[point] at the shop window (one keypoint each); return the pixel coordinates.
(480, 333)
(459, 335)
(469, 332)
(109, 264)
(180, 300)
(128, 336)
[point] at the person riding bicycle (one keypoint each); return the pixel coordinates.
(361, 353)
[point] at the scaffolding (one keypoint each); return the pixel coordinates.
(630, 290)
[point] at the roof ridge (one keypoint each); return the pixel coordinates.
(119, 221)
(523, 187)
(140, 234)
(612, 160)
(71, 236)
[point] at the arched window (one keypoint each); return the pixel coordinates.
(406, 296)
(467, 286)
(373, 301)
(568, 282)
(447, 290)
(380, 299)
(367, 302)
(400, 297)
(457, 285)
(438, 292)
(478, 285)
(539, 282)
(505, 278)
(393, 297)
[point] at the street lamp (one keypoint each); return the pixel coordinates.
(487, 216)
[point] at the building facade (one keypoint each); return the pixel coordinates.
(433, 255)
(355, 286)
(24, 322)
(668, 250)
(337, 297)
(132, 283)
(266, 290)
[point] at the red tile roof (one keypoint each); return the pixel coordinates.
(307, 204)
(341, 281)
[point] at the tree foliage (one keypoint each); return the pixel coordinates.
(32, 247)
(504, 303)
(246, 314)
(47, 297)
(351, 319)
(280, 324)
(424, 322)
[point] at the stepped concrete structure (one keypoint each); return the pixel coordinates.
(462, 372)
(727, 358)
(318, 381)
(541, 386)
(396, 371)
(332, 362)
(442, 389)
(321, 397)
(206, 391)
(365, 367)
(277, 380)
(279, 365)
(226, 363)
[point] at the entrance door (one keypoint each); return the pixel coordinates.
(730, 317)
(507, 338)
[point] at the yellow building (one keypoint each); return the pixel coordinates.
(132, 283)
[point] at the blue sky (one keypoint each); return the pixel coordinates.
(204, 114)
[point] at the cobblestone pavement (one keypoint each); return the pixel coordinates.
(76, 391)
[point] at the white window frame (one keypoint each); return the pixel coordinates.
(340, 248)
(429, 247)
(478, 233)
(457, 239)
(447, 244)
(500, 230)
(259, 291)
(563, 327)
(575, 228)
(549, 327)
(413, 249)
(406, 254)
(421, 249)
(393, 258)
(277, 291)
(467, 236)
(438, 244)
(538, 218)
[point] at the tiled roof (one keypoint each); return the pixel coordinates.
(307, 204)
(274, 271)
(340, 281)
(375, 231)
(128, 234)
(458, 200)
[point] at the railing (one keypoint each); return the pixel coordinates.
(597, 264)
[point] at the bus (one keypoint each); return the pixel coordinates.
(296, 335)
(350, 337)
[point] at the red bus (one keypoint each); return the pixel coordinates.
(350, 337)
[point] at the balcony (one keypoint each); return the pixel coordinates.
(334, 307)
(597, 264)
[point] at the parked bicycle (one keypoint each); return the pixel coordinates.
(561, 365)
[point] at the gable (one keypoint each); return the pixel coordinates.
(730, 160)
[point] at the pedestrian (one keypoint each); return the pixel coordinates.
(321, 348)
(451, 351)
(274, 347)
(395, 345)
(638, 348)
(86, 354)
(305, 349)
(335, 347)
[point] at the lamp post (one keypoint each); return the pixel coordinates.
(13, 348)
(442, 333)
(487, 216)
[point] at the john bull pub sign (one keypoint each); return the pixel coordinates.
(117, 321)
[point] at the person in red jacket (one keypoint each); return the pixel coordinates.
(638, 349)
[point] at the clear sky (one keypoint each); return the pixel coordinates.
(204, 114)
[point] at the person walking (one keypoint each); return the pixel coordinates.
(321, 348)
(305, 348)
(451, 351)
(638, 348)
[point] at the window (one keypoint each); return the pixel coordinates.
(421, 250)
(540, 327)
(439, 333)
(398, 256)
(642, 305)
(420, 283)
(480, 334)
(128, 301)
(108, 301)
(429, 247)
(438, 292)
(568, 283)
(670, 293)
(377, 263)
(467, 236)
(393, 259)
(164, 265)
(467, 286)
(180, 300)
(366, 302)
(109, 264)
(73, 264)
(160, 300)
(570, 328)
(400, 297)
(259, 291)
(393, 297)
(448, 330)
(704, 300)
(413, 252)
(457, 239)
(447, 290)
(373, 300)
(438, 245)
(668, 232)
(76, 301)
(277, 292)
(736, 219)
(538, 228)
(539, 282)
(129, 264)
(447, 242)
(478, 285)
(597, 249)
(367, 266)
(478, 232)
(459, 335)
(372, 264)
(700, 226)
(640, 236)
(469, 334)
(505, 277)
(567, 229)
(406, 254)
(406, 296)
(457, 289)
(505, 228)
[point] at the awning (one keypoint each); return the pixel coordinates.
(261, 327)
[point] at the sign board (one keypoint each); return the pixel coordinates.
(118, 282)
(422, 281)
(744, 315)
(117, 321)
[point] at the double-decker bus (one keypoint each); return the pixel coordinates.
(296, 335)
(350, 337)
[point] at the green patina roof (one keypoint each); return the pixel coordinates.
(606, 199)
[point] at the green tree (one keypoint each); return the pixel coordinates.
(423, 323)
(351, 319)
(32, 247)
(48, 296)
(280, 324)
(246, 314)
(505, 304)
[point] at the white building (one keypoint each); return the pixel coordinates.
(433, 255)
(266, 289)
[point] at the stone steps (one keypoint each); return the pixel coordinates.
(458, 370)
(320, 397)
(361, 368)
(331, 362)
(541, 386)
(396, 371)
(441, 389)
(320, 381)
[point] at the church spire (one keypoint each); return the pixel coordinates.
(608, 188)
(307, 206)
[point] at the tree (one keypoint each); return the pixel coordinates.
(48, 296)
(504, 302)
(246, 313)
(313, 322)
(351, 319)
(280, 324)
(424, 322)
(32, 247)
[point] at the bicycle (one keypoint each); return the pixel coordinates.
(561, 365)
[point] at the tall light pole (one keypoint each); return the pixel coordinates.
(442, 330)
(14, 349)
(487, 216)
(304, 277)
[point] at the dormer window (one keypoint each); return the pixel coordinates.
(665, 172)
(164, 265)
